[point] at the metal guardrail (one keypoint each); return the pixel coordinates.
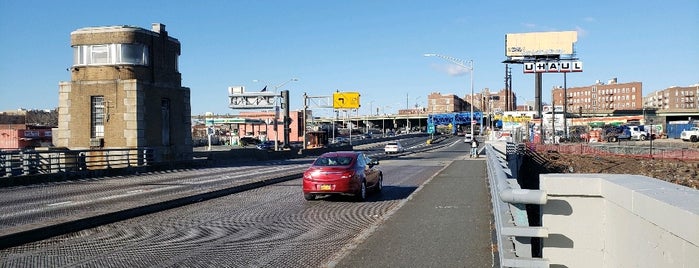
(620, 149)
(32, 162)
(511, 222)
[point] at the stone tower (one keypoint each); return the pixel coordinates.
(125, 92)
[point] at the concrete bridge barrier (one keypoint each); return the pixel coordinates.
(605, 220)
(592, 220)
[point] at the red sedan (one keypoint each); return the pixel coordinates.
(344, 173)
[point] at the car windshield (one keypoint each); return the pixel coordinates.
(333, 161)
(392, 144)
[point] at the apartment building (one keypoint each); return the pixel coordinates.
(601, 97)
(493, 102)
(674, 99)
(438, 103)
(125, 92)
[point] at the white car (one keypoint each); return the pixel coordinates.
(393, 147)
(468, 138)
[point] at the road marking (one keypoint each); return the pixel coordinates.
(59, 203)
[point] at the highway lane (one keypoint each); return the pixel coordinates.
(268, 226)
(33, 205)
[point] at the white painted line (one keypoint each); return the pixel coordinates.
(59, 203)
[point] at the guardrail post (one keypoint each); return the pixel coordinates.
(6, 164)
(26, 163)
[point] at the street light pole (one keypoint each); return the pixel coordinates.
(286, 82)
(461, 63)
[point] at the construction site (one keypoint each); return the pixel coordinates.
(671, 160)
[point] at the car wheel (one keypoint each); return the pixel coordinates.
(643, 137)
(694, 139)
(379, 184)
(361, 195)
(309, 196)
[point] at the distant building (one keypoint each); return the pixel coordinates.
(413, 111)
(26, 129)
(492, 102)
(125, 92)
(438, 103)
(600, 97)
(267, 131)
(674, 99)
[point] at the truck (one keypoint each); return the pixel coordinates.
(691, 134)
(616, 133)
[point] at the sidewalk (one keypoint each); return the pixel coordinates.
(445, 224)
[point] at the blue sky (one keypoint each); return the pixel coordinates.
(374, 47)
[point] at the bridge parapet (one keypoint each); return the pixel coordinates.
(592, 220)
(513, 232)
(605, 220)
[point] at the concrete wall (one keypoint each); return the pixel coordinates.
(605, 220)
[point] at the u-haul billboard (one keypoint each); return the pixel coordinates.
(540, 43)
(562, 66)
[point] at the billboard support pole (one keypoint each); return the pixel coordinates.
(537, 103)
(565, 106)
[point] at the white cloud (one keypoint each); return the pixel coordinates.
(450, 69)
(529, 25)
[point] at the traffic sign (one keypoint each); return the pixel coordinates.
(346, 100)
(430, 129)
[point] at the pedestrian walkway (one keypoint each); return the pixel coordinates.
(444, 224)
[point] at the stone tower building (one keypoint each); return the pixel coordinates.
(125, 92)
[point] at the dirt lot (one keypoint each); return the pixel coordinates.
(676, 171)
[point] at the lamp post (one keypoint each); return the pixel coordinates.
(461, 63)
(417, 107)
(286, 82)
(369, 116)
(651, 138)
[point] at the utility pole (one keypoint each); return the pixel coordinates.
(287, 118)
(305, 122)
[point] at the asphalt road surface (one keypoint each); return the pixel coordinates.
(273, 226)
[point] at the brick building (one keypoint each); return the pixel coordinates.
(601, 97)
(256, 124)
(26, 129)
(125, 92)
(674, 99)
(438, 103)
(487, 101)
(267, 131)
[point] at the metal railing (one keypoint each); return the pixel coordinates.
(513, 233)
(619, 150)
(32, 162)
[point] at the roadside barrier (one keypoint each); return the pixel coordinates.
(513, 232)
(605, 149)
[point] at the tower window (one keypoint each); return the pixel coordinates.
(107, 54)
(97, 117)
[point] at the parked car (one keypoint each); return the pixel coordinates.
(340, 141)
(393, 147)
(245, 141)
(691, 134)
(342, 173)
(266, 145)
(468, 138)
